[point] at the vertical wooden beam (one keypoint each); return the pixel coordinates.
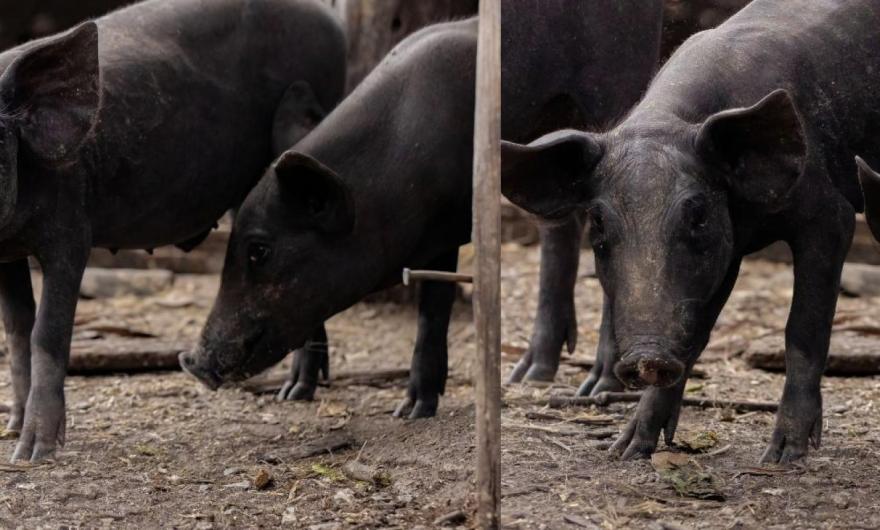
(487, 287)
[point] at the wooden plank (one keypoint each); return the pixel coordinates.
(487, 245)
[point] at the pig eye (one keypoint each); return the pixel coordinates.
(258, 253)
(696, 214)
(597, 228)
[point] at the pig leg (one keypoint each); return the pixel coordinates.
(44, 418)
(555, 322)
(659, 408)
(309, 362)
(602, 378)
(427, 377)
(17, 302)
(818, 259)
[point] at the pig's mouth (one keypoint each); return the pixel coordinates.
(648, 368)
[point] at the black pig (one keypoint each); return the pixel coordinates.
(746, 137)
(385, 183)
(137, 130)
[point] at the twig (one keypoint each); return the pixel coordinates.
(371, 378)
(557, 443)
(716, 452)
(456, 517)
(525, 491)
(587, 363)
(606, 398)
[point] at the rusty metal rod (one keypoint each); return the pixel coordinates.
(410, 276)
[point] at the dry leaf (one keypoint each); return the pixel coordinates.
(686, 476)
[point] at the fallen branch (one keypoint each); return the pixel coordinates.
(371, 378)
(606, 398)
(587, 363)
(103, 356)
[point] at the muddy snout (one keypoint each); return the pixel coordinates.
(641, 369)
(189, 361)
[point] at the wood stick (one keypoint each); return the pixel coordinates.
(606, 398)
(410, 276)
(369, 378)
(487, 245)
(102, 356)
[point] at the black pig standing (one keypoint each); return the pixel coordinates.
(138, 130)
(747, 136)
(385, 183)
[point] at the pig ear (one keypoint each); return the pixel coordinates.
(550, 177)
(298, 113)
(53, 93)
(762, 148)
(314, 195)
(870, 181)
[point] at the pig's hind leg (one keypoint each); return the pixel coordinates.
(819, 252)
(427, 378)
(17, 302)
(309, 363)
(555, 321)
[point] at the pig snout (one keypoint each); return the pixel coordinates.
(649, 368)
(190, 363)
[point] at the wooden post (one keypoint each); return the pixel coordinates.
(487, 284)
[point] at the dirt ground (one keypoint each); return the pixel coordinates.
(159, 450)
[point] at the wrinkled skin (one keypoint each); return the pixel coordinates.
(137, 130)
(744, 138)
(385, 183)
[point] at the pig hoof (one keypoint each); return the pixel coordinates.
(634, 443)
(541, 372)
(296, 392)
(592, 386)
(786, 448)
(519, 371)
(414, 409)
(14, 424)
(526, 370)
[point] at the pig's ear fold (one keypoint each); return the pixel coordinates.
(761, 148)
(314, 195)
(551, 176)
(298, 113)
(870, 182)
(53, 92)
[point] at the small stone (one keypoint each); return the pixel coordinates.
(840, 500)
(344, 496)
(231, 471)
(263, 479)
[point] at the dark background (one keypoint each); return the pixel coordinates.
(374, 26)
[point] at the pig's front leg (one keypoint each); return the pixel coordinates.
(17, 301)
(555, 321)
(659, 408)
(602, 378)
(309, 362)
(818, 255)
(427, 377)
(44, 417)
